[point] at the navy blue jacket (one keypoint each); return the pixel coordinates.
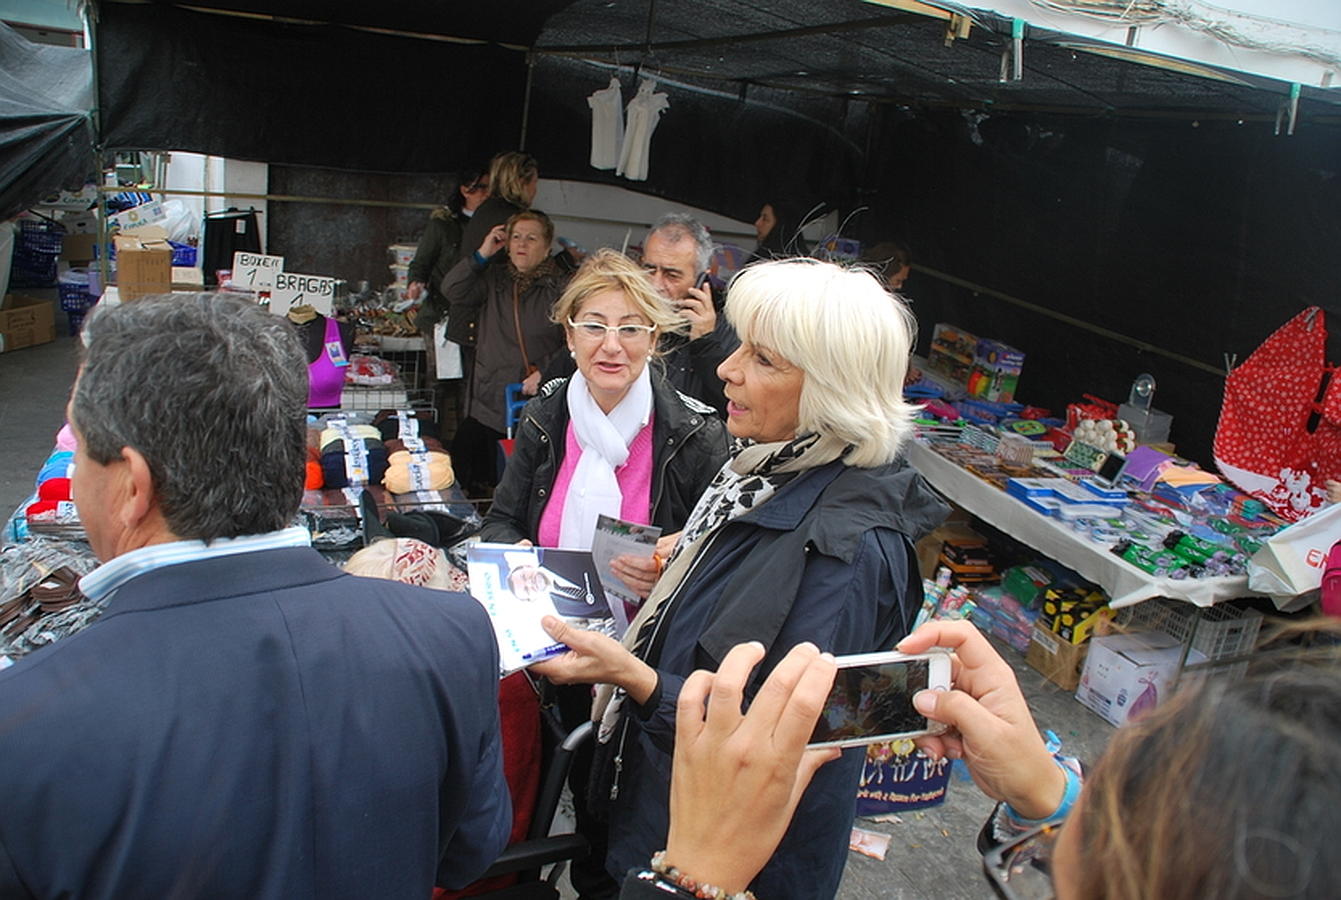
(255, 726)
(828, 559)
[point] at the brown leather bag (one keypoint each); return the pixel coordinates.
(521, 340)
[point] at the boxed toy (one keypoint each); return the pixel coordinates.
(1072, 613)
(1127, 675)
(995, 371)
(951, 353)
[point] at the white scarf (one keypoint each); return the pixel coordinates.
(594, 490)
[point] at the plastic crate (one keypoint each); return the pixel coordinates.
(35, 253)
(76, 322)
(1222, 632)
(74, 290)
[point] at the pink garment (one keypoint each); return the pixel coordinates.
(65, 439)
(634, 477)
(326, 379)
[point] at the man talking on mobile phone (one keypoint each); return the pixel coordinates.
(676, 254)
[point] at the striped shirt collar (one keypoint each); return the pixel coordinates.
(99, 584)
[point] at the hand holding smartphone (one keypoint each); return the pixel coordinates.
(872, 698)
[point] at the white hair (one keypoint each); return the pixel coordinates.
(848, 335)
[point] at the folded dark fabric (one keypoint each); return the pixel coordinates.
(335, 475)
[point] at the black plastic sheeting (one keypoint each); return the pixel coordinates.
(711, 149)
(322, 95)
(848, 47)
(46, 137)
(1148, 210)
(1200, 240)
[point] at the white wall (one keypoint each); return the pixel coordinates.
(571, 203)
(627, 212)
(195, 172)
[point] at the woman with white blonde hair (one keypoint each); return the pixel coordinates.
(805, 534)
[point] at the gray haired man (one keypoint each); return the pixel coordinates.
(676, 255)
(243, 719)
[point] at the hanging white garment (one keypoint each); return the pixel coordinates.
(607, 125)
(644, 112)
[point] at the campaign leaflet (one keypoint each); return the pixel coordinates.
(615, 537)
(518, 586)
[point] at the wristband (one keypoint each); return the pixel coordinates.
(1069, 795)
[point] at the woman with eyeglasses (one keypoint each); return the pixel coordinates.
(806, 534)
(616, 439)
(514, 337)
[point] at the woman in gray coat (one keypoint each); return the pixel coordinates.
(514, 337)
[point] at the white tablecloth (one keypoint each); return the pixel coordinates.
(1125, 583)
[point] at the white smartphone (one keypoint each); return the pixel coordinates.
(872, 698)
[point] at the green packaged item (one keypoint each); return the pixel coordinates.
(1025, 584)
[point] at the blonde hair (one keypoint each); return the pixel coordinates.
(402, 559)
(508, 174)
(610, 270)
(849, 337)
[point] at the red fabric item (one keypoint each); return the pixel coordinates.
(519, 718)
(1331, 582)
(54, 489)
(1264, 443)
(313, 480)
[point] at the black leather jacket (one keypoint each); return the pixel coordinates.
(689, 445)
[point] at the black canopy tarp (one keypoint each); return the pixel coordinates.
(46, 136)
(1166, 207)
(282, 92)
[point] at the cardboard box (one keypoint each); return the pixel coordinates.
(143, 263)
(78, 248)
(187, 278)
(1058, 661)
(1127, 675)
(26, 322)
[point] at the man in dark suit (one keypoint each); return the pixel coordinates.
(243, 720)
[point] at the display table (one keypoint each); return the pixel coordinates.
(1125, 583)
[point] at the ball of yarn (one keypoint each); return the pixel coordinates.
(434, 467)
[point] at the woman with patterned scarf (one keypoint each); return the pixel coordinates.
(514, 337)
(805, 534)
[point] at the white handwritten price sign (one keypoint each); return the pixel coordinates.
(292, 290)
(256, 272)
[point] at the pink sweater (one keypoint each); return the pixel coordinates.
(634, 477)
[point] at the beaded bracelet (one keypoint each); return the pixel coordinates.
(689, 885)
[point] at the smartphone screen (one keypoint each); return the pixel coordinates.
(869, 701)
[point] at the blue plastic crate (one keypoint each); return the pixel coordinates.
(35, 252)
(183, 254)
(73, 285)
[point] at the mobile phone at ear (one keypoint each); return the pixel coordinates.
(698, 281)
(872, 698)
